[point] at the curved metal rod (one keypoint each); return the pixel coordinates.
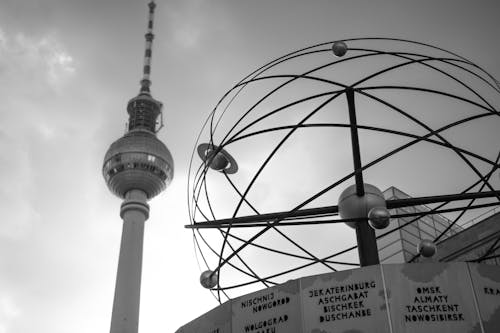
(281, 108)
(383, 157)
(292, 78)
(262, 168)
(448, 61)
(294, 53)
(311, 256)
(270, 249)
(437, 92)
(424, 61)
(215, 252)
(435, 132)
(202, 180)
(380, 236)
(290, 270)
(230, 264)
(328, 257)
(437, 207)
(218, 225)
(491, 109)
(375, 52)
(240, 86)
(197, 247)
(488, 176)
(328, 188)
(364, 127)
(252, 273)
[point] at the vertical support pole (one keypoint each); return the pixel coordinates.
(134, 212)
(365, 235)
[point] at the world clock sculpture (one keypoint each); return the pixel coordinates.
(137, 167)
(304, 144)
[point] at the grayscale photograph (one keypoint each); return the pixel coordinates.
(250, 166)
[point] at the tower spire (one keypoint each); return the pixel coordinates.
(149, 36)
(143, 109)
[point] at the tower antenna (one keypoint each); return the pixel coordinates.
(149, 36)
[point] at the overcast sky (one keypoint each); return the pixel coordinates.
(67, 70)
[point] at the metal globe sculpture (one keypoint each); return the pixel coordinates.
(311, 123)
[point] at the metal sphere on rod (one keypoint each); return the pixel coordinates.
(209, 279)
(379, 217)
(426, 248)
(352, 206)
(339, 48)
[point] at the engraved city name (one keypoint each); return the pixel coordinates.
(264, 302)
(431, 305)
(344, 301)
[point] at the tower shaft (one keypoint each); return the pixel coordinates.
(134, 212)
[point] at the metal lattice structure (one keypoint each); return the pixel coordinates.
(399, 111)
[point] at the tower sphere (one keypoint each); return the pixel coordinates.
(140, 161)
(352, 206)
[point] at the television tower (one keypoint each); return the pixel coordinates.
(136, 168)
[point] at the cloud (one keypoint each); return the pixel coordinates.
(8, 312)
(192, 22)
(8, 308)
(41, 60)
(32, 70)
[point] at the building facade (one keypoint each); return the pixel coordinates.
(478, 243)
(400, 246)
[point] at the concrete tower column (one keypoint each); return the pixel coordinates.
(134, 212)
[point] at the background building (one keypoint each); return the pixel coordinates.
(477, 240)
(401, 246)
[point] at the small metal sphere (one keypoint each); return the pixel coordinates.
(339, 48)
(353, 206)
(379, 217)
(426, 248)
(209, 279)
